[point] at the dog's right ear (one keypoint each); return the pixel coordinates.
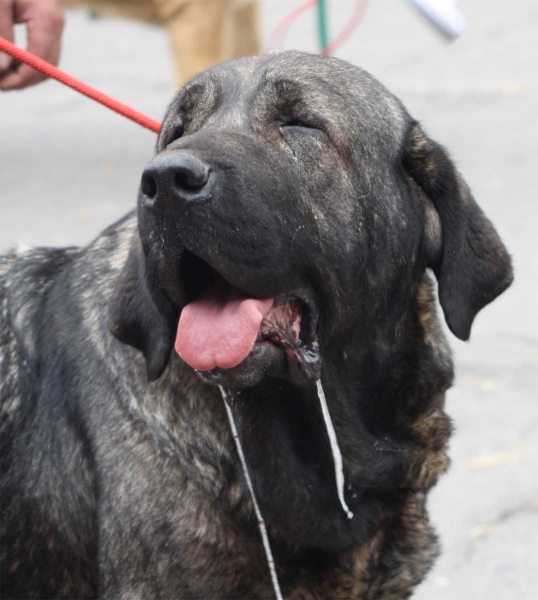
(140, 316)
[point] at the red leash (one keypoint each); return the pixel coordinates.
(52, 71)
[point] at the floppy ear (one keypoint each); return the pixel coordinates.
(472, 265)
(141, 317)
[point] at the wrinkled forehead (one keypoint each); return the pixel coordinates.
(263, 88)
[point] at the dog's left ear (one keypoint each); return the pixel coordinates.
(140, 316)
(472, 265)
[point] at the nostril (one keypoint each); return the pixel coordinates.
(148, 186)
(191, 179)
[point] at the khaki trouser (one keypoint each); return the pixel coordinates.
(202, 32)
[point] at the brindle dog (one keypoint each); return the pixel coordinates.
(295, 207)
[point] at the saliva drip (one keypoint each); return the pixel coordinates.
(335, 449)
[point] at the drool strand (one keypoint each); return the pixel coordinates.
(337, 456)
(261, 522)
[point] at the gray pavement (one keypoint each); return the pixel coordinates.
(69, 167)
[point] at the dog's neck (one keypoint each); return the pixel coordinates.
(380, 413)
(388, 420)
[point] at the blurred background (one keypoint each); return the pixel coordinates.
(69, 168)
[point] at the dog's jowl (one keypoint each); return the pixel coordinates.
(290, 228)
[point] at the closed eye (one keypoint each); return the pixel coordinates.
(176, 131)
(299, 123)
(294, 128)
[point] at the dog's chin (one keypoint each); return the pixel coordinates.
(268, 361)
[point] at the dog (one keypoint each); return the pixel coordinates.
(288, 229)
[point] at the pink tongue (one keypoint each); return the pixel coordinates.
(220, 328)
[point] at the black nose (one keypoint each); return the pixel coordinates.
(174, 176)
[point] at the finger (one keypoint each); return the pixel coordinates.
(21, 78)
(45, 35)
(6, 31)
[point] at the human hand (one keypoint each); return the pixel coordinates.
(44, 21)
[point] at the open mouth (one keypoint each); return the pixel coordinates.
(222, 327)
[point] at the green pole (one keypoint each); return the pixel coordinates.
(323, 28)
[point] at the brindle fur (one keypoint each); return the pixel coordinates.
(119, 474)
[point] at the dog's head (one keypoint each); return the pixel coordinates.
(292, 203)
